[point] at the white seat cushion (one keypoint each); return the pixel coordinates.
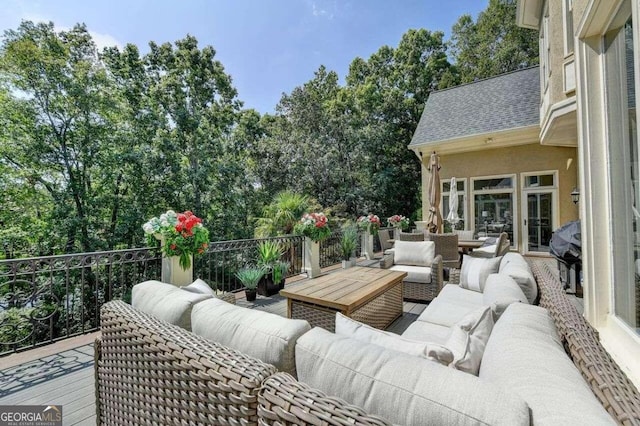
(417, 253)
(524, 355)
(415, 274)
(427, 332)
(166, 302)
(454, 293)
(475, 271)
(433, 351)
(401, 388)
(446, 312)
(268, 337)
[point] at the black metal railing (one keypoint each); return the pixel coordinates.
(223, 258)
(45, 299)
(330, 251)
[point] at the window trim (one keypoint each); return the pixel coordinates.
(555, 200)
(465, 210)
(567, 13)
(515, 199)
(620, 340)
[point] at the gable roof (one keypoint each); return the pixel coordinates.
(508, 101)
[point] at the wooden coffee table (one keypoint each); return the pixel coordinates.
(369, 295)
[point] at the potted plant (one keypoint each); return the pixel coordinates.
(369, 224)
(315, 228)
(279, 273)
(348, 245)
(269, 253)
(249, 278)
(398, 222)
(182, 237)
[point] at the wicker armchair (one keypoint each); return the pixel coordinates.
(383, 235)
(150, 372)
(446, 245)
(419, 292)
(410, 236)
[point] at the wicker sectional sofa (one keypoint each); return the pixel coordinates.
(152, 372)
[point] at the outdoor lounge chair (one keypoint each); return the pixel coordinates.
(500, 248)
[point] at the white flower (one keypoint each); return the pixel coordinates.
(148, 228)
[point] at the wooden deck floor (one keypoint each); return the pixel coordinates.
(66, 378)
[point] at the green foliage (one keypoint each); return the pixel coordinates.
(279, 271)
(269, 253)
(349, 241)
(492, 45)
(92, 142)
(250, 276)
(282, 214)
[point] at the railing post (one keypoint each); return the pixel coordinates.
(172, 273)
(311, 257)
(367, 245)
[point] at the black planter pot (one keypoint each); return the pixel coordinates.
(250, 295)
(266, 286)
(281, 284)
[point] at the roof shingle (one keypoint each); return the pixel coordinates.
(504, 102)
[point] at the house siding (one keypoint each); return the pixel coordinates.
(511, 160)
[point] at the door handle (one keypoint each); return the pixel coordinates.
(525, 222)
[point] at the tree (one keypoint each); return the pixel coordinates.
(492, 45)
(281, 215)
(61, 138)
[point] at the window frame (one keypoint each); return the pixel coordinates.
(443, 193)
(514, 200)
(597, 204)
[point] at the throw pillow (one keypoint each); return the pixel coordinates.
(469, 338)
(348, 327)
(416, 253)
(475, 271)
(199, 287)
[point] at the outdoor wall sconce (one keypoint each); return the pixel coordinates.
(575, 195)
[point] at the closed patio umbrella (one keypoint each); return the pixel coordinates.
(453, 217)
(434, 220)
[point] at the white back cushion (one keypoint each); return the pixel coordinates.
(525, 355)
(500, 291)
(417, 253)
(475, 271)
(266, 336)
(403, 389)
(469, 338)
(199, 286)
(166, 302)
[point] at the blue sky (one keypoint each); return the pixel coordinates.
(268, 47)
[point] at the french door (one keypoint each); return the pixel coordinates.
(539, 210)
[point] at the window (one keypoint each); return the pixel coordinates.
(567, 10)
(462, 201)
(625, 172)
(545, 48)
(494, 201)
